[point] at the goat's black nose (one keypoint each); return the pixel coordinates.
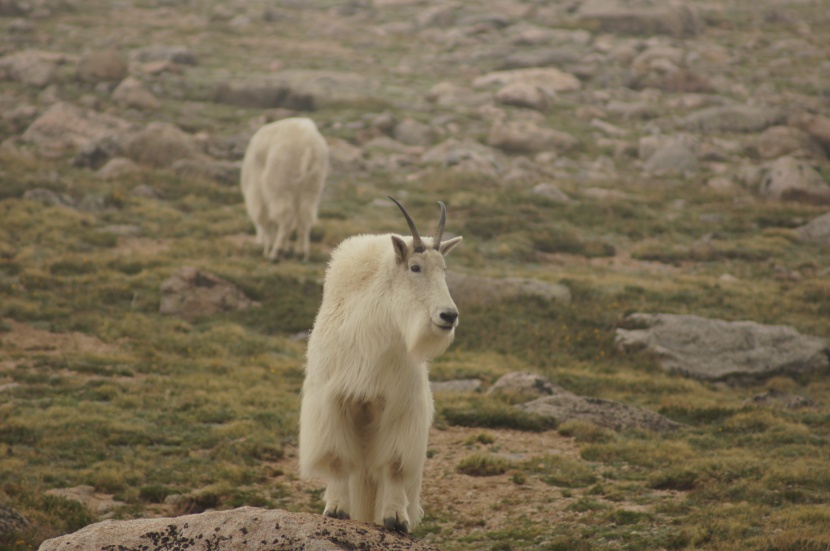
(449, 317)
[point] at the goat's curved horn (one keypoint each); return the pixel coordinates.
(417, 244)
(440, 231)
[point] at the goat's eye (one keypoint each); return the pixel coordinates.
(415, 268)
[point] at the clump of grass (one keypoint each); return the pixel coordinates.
(481, 464)
(480, 438)
(678, 478)
(584, 431)
(562, 471)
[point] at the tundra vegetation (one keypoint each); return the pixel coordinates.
(167, 415)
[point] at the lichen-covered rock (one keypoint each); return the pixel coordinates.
(716, 350)
(243, 529)
(194, 293)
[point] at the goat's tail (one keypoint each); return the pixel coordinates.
(363, 491)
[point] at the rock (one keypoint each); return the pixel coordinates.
(565, 406)
(525, 136)
(161, 144)
(778, 141)
(442, 15)
(33, 67)
(412, 132)
(102, 66)
(816, 230)
(550, 191)
(65, 127)
(680, 80)
(447, 94)
(461, 386)
(132, 93)
(671, 158)
(242, 529)
(781, 399)
(520, 387)
(717, 350)
(790, 179)
(20, 117)
(470, 290)
(97, 503)
(13, 8)
(49, 197)
(118, 168)
(176, 54)
(542, 57)
(194, 293)
(524, 94)
(467, 156)
(97, 151)
(302, 89)
(345, 157)
(224, 172)
(645, 17)
(817, 126)
(548, 78)
(11, 522)
(632, 110)
(732, 118)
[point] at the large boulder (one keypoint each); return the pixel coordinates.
(470, 290)
(65, 127)
(732, 118)
(192, 293)
(161, 144)
(791, 179)
(647, 17)
(816, 230)
(243, 529)
(718, 350)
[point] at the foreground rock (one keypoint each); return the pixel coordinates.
(549, 400)
(717, 350)
(193, 293)
(243, 529)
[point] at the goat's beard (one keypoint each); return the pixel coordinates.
(425, 341)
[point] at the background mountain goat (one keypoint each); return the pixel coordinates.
(367, 405)
(283, 174)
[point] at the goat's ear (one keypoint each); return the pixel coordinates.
(401, 249)
(449, 244)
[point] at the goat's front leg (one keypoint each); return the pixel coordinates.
(394, 500)
(337, 498)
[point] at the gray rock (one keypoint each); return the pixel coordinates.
(674, 17)
(732, 118)
(632, 110)
(161, 144)
(790, 179)
(242, 529)
(673, 157)
(782, 399)
(717, 350)
(102, 66)
(467, 156)
(344, 156)
(447, 94)
(525, 136)
(816, 230)
(191, 293)
(11, 521)
(566, 406)
(520, 387)
(176, 54)
(541, 57)
(34, 67)
(550, 191)
(460, 386)
(524, 94)
(412, 132)
(132, 93)
(817, 126)
(64, 127)
(778, 141)
(547, 78)
(118, 168)
(469, 290)
(96, 152)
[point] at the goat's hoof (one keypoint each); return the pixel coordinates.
(392, 523)
(337, 513)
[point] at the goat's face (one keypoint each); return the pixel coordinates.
(428, 314)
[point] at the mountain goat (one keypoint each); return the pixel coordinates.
(283, 174)
(366, 402)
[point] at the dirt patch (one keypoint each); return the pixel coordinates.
(24, 337)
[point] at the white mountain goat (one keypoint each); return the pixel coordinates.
(283, 174)
(367, 406)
